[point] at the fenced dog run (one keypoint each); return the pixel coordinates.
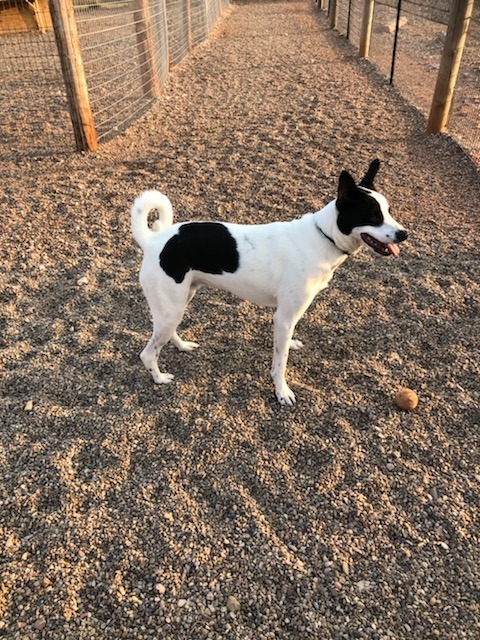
(101, 63)
(105, 61)
(415, 44)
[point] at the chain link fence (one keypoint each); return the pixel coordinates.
(407, 41)
(127, 48)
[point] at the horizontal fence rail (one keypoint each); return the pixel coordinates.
(410, 43)
(98, 64)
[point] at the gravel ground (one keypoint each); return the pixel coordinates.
(202, 509)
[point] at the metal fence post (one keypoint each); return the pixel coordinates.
(68, 44)
(395, 40)
(146, 48)
(366, 30)
(449, 65)
(348, 18)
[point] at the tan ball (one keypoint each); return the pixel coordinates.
(406, 399)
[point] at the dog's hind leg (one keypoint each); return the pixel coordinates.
(149, 357)
(167, 312)
(184, 345)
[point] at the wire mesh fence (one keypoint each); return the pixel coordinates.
(127, 48)
(117, 70)
(407, 42)
(178, 29)
(350, 19)
(465, 115)
(198, 12)
(34, 110)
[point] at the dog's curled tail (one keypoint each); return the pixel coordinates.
(142, 206)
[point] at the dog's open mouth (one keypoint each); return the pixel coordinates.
(382, 248)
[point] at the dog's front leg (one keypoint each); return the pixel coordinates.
(283, 327)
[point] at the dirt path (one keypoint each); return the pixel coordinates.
(129, 511)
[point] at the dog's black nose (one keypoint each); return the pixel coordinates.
(400, 236)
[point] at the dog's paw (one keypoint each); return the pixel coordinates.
(296, 344)
(285, 396)
(184, 345)
(162, 378)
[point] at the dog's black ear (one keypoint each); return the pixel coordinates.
(346, 187)
(369, 177)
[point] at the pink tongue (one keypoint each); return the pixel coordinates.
(394, 249)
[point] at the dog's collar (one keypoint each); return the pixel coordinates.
(332, 241)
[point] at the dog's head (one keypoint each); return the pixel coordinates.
(364, 215)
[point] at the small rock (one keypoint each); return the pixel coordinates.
(391, 26)
(345, 568)
(82, 280)
(181, 603)
(40, 624)
(29, 406)
(233, 604)
(390, 466)
(395, 358)
(444, 545)
(160, 588)
(363, 585)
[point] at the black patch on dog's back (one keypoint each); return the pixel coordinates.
(202, 246)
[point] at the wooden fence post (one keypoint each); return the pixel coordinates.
(42, 15)
(146, 48)
(449, 65)
(68, 44)
(333, 14)
(366, 31)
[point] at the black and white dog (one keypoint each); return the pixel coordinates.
(280, 264)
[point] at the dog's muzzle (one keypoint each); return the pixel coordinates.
(385, 248)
